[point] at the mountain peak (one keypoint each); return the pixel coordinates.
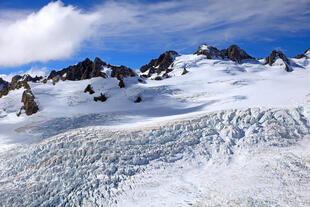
(162, 63)
(209, 51)
(233, 53)
(277, 54)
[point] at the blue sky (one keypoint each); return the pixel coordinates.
(53, 35)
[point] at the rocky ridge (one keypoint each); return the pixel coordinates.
(157, 69)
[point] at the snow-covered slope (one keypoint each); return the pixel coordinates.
(223, 133)
(209, 85)
(248, 157)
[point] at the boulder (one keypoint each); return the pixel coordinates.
(101, 98)
(121, 83)
(138, 99)
(89, 89)
(158, 78)
(165, 75)
(30, 106)
(184, 71)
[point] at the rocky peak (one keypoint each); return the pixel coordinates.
(16, 78)
(83, 70)
(209, 51)
(29, 78)
(305, 54)
(271, 59)
(121, 72)
(235, 53)
(160, 64)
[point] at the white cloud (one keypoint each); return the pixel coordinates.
(58, 31)
(54, 32)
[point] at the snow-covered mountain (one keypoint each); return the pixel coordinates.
(217, 127)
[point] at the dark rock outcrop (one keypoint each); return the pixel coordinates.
(302, 55)
(121, 83)
(121, 72)
(88, 69)
(13, 86)
(233, 53)
(29, 78)
(3, 84)
(270, 60)
(160, 64)
(138, 99)
(101, 98)
(209, 51)
(89, 89)
(236, 54)
(166, 75)
(184, 71)
(30, 106)
(158, 78)
(83, 70)
(16, 78)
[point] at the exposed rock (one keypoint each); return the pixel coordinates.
(165, 75)
(83, 70)
(158, 78)
(274, 56)
(144, 76)
(89, 89)
(299, 56)
(30, 106)
(160, 64)
(236, 54)
(29, 78)
(138, 100)
(3, 84)
(16, 78)
(55, 80)
(140, 80)
(101, 98)
(302, 55)
(184, 71)
(13, 86)
(121, 72)
(209, 51)
(121, 83)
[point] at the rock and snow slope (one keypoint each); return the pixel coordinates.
(225, 133)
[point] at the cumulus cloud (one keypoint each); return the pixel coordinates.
(54, 32)
(58, 31)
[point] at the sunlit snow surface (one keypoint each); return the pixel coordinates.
(222, 135)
